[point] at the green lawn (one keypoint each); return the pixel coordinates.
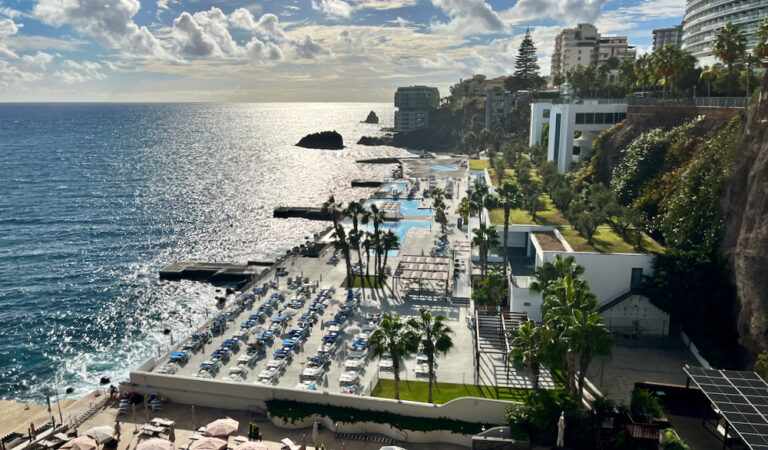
(550, 215)
(478, 164)
(418, 391)
(510, 176)
(358, 281)
(606, 241)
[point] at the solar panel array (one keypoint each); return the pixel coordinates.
(741, 397)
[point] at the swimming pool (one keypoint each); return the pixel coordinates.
(444, 168)
(400, 228)
(405, 207)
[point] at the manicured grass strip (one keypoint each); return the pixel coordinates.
(418, 391)
(550, 215)
(479, 164)
(359, 281)
(607, 241)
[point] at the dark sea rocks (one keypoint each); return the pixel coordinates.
(375, 140)
(326, 140)
(372, 118)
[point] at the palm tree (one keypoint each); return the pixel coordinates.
(729, 46)
(501, 169)
(476, 197)
(666, 64)
(435, 337)
(359, 214)
(485, 138)
(368, 245)
(388, 242)
(470, 141)
(761, 49)
(484, 238)
(627, 74)
(710, 74)
(376, 217)
(587, 338)
(528, 346)
(394, 337)
(340, 243)
(437, 195)
(509, 199)
(333, 209)
(549, 272)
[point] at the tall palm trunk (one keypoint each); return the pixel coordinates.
(431, 365)
(571, 361)
(348, 261)
(583, 364)
(396, 368)
(535, 373)
(506, 232)
(367, 267)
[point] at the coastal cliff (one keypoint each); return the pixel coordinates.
(745, 240)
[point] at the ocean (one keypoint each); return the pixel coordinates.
(95, 198)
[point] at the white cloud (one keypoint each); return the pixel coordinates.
(12, 76)
(10, 12)
(333, 8)
(441, 61)
(214, 24)
(37, 61)
(260, 52)
(308, 48)
(565, 12)
(191, 39)
(267, 27)
(468, 17)
(627, 18)
(7, 28)
(79, 72)
(110, 22)
(163, 4)
(384, 4)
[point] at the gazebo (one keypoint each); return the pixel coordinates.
(426, 271)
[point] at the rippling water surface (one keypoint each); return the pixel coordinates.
(95, 198)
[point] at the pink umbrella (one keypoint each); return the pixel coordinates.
(208, 443)
(252, 446)
(222, 428)
(154, 444)
(82, 443)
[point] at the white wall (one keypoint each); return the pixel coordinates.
(638, 311)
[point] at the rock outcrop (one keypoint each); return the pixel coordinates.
(325, 140)
(372, 118)
(376, 140)
(746, 235)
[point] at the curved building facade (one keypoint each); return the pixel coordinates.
(703, 17)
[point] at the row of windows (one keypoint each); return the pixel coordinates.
(599, 118)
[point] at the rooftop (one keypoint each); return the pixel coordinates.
(549, 241)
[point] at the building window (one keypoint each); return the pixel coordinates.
(589, 118)
(599, 118)
(637, 278)
(579, 118)
(545, 114)
(527, 304)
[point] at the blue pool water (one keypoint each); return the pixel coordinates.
(400, 228)
(405, 207)
(444, 168)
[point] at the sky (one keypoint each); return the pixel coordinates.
(285, 50)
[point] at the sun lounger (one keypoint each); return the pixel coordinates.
(289, 445)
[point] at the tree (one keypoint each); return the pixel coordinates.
(435, 338)
(729, 46)
(490, 291)
(463, 209)
(470, 142)
(477, 199)
(587, 338)
(376, 217)
(368, 244)
(340, 242)
(509, 198)
(484, 238)
(532, 197)
(761, 49)
(394, 337)
(484, 139)
(528, 346)
(669, 63)
(549, 272)
(626, 74)
(710, 74)
(500, 167)
(558, 79)
(526, 75)
(388, 242)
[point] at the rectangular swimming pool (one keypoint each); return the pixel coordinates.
(444, 168)
(405, 207)
(400, 228)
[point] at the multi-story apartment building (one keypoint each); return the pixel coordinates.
(414, 104)
(672, 36)
(584, 46)
(703, 17)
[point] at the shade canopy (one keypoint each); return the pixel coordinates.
(222, 428)
(101, 434)
(82, 443)
(252, 446)
(154, 444)
(208, 443)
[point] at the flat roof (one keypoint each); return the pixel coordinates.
(549, 241)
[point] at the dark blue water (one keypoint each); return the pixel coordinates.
(95, 198)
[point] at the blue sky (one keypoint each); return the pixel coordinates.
(284, 50)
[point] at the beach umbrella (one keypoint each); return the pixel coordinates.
(561, 430)
(172, 433)
(221, 428)
(252, 446)
(303, 442)
(325, 381)
(208, 443)
(81, 443)
(154, 444)
(315, 430)
(117, 428)
(101, 434)
(391, 447)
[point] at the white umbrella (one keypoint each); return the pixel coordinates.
(221, 427)
(252, 446)
(314, 433)
(208, 443)
(561, 430)
(101, 434)
(154, 444)
(391, 447)
(82, 443)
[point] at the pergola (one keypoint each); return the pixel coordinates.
(424, 269)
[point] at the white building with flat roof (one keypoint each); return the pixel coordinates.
(584, 46)
(565, 119)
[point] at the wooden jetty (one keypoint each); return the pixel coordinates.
(285, 212)
(367, 183)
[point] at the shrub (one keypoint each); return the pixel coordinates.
(673, 442)
(644, 403)
(290, 410)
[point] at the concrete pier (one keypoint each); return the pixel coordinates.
(285, 212)
(215, 273)
(367, 183)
